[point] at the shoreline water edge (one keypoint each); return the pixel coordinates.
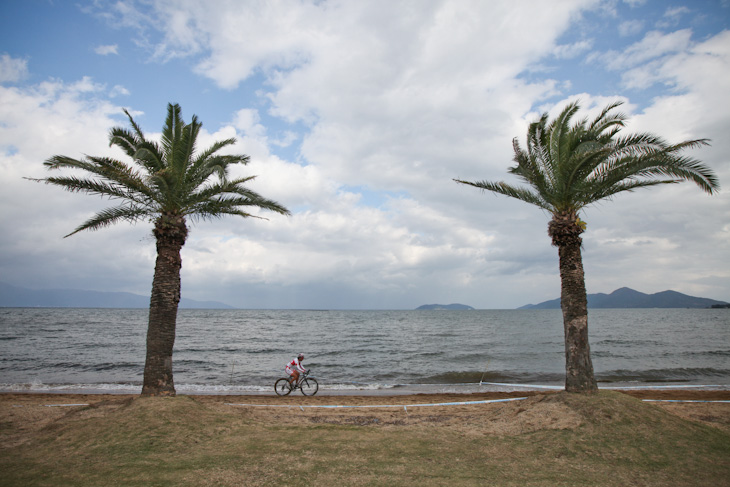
(345, 390)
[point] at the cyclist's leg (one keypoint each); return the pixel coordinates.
(292, 377)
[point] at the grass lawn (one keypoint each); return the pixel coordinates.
(609, 439)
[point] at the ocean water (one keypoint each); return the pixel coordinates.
(244, 351)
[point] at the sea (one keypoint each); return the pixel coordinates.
(67, 350)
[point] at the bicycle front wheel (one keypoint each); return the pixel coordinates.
(282, 387)
(309, 386)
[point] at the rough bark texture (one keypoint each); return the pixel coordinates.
(565, 232)
(170, 232)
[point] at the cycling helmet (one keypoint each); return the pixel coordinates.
(300, 357)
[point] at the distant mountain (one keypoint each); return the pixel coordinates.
(445, 306)
(628, 298)
(18, 297)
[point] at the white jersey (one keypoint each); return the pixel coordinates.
(294, 364)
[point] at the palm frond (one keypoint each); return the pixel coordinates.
(94, 187)
(185, 147)
(172, 129)
(608, 191)
(113, 173)
(162, 184)
(522, 194)
(246, 198)
(137, 130)
(150, 156)
(64, 162)
(232, 205)
(649, 157)
(606, 119)
(211, 211)
(120, 173)
(208, 163)
(135, 145)
(124, 139)
(111, 216)
(559, 130)
(686, 169)
(218, 188)
(534, 164)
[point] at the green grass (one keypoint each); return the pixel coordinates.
(619, 441)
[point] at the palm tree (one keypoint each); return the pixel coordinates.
(169, 182)
(568, 167)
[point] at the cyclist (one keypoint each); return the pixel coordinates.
(294, 367)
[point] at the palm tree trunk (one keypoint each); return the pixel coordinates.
(170, 233)
(565, 229)
(574, 303)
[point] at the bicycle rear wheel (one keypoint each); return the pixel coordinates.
(282, 387)
(309, 386)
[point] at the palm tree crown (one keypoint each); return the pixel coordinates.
(168, 178)
(570, 167)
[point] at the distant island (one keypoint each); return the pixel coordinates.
(628, 298)
(444, 306)
(18, 297)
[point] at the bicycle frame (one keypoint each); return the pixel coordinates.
(300, 379)
(284, 386)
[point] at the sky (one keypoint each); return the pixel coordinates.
(357, 117)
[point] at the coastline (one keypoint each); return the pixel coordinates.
(354, 398)
(348, 389)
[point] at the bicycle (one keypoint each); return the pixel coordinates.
(308, 385)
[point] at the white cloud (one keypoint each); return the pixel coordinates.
(59, 116)
(570, 51)
(12, 69)
(654, 45)
(685, 65)
(672, 17)
(118, 90)
(38, 122)
(630, 27)
(397, 99)
(287, 139)
(106, 50)
(248, 121)
(642, 64)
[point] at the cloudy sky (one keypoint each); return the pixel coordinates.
(357, 116)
